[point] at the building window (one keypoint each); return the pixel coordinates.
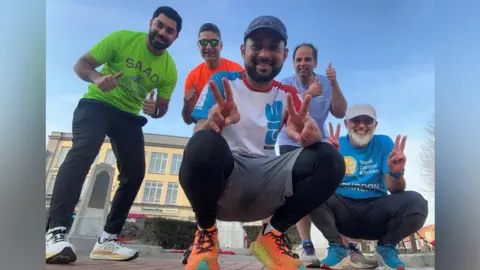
(110, 157)
(63, 154)
(419, 243)
(176, 161)
(408, 245)
(158, 163)
(51, 185)
(172, 193)
(152, 192)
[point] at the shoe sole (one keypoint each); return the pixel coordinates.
(108, 258)
(343, 264)
(262, 256)
(63, 257)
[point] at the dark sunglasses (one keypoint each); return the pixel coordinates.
(213, 42)
(365, 120)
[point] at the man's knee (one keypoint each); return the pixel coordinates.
(416, 202)
(204, 146)
(327, 157)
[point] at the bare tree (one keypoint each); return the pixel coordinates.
(427, 156)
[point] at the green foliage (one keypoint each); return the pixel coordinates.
(167, 233)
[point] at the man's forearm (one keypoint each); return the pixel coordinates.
(86, 72)
(395, 184)
(201, 125)
(339, 104)
(187, 113)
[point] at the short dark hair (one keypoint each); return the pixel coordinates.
(310, 45)
(210, 27)
(170, 13)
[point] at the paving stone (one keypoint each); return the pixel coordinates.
(227, 262)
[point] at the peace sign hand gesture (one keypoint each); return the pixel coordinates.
(397, 160)
(224, 112)
(334, 137)
(300, 126)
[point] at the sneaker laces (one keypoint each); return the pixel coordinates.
(351, 247)
(205, 241)
(309, 249)
(59, 235)
(283, 243)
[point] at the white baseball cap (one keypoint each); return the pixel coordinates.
(361, 109)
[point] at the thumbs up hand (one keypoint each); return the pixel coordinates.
(149, 104)
(108, 82)
(315, 89)
(331, 74)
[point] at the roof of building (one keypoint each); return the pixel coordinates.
(150, 139)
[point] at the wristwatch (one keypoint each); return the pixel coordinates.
(396, 175)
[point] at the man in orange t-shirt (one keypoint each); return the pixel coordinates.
(210, 45)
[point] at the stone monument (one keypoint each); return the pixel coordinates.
(93, 209)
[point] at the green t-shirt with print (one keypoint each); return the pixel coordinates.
(142, 71)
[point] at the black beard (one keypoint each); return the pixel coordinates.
(157, 46)
(253, 74)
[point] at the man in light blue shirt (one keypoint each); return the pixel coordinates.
(327, 98)
(362, 207)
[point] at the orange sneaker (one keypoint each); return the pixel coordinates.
(274, 251)
(204, 255)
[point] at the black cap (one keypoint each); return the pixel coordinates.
(268, 22)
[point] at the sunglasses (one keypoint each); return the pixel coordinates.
(365, 120)
(205, 42)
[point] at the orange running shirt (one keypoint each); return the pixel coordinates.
(201, 74)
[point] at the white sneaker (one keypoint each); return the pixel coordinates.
(112, 250)
(57, 248)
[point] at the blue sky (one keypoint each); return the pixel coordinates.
(382, 50)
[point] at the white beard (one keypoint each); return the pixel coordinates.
(360, 140)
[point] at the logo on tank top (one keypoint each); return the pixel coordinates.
(201, 99)
(273, 114)
(350, 165)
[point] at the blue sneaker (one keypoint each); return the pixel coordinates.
(337, 257)
(308, 255)
(388, 256)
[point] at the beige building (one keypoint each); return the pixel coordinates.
(160, 194)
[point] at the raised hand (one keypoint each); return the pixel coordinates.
(300, 126)
(108, 82)
(191, 95)
(224, 112)
(333, 138)
(316, 88)
(149, 104)
(396, 159)
(331, 73)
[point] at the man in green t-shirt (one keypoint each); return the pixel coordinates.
(134, 63)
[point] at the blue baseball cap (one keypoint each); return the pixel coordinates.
(267, 22)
